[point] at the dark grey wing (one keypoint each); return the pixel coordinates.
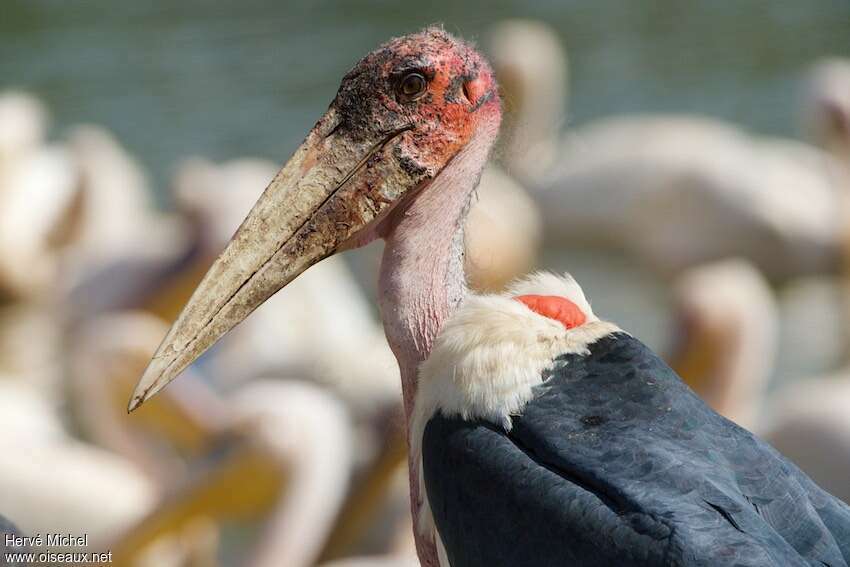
(617, 462)
(496, 506)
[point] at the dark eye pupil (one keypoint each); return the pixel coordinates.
(413, 84)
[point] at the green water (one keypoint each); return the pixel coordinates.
(249, 77)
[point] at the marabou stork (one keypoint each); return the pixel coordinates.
(534, 418)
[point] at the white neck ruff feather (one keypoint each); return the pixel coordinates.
(490, 355)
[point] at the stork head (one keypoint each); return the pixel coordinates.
(400, 116)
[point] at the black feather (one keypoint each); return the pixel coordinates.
(617, 462)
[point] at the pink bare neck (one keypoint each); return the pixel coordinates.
(422, 279)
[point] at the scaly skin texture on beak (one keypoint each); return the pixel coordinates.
(331, 188)
(375, 148)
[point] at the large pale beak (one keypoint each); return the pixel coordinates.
(335, 188)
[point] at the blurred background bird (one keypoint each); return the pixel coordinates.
(659, 185)
(701, 198)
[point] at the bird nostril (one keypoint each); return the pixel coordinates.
(473, 90)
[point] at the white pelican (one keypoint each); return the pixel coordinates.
(504, 232)
(60, 485)
(70, 207)
(698, 190)
(377, 561)
(809, 421)
(299, 438)
(311, 451)
(727, 329)
(533, 73)
(283, 463)
(826, 106)
(119, 226)
(106, 353)
(26, 416)
(660, 186)
(118, 202)
(23, 125)
(31, 349)
(49, 482)
(40, 201)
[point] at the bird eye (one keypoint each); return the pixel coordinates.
(412, 86)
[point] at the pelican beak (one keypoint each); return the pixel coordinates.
(332, 194)
(694, 351)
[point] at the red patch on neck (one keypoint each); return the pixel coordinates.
(555, 307)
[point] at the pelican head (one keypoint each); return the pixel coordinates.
(727, 336)
(827, 106)
(401, 115)
(23, 125)
(531, 64)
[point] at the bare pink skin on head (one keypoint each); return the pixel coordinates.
(460, 83)
(461, 96)
(422, 280)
